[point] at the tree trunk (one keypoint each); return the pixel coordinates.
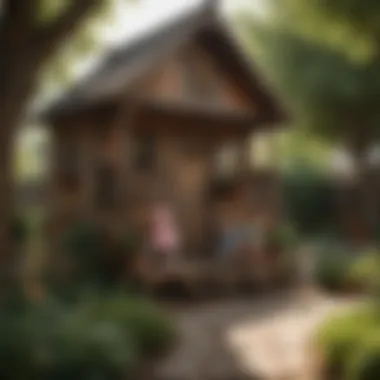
(6, 201)
(25, 46)
(20, 76)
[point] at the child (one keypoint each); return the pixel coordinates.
(164, 233)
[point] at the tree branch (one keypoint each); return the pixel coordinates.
(55, 33)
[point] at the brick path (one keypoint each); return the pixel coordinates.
(264, 338)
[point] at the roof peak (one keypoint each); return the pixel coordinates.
(211, 9)
(212, 5)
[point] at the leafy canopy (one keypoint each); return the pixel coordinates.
(350, 25)
(331, 94)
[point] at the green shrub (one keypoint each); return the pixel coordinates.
(147, 325)
(308, 197)
(95, 257)
(332, 269)
(25, 336)
(103, 337)
(151, 329)
(364, 272)
(364, 363)
(87, 345)
(338, 337)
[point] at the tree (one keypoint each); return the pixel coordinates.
(349, 25)
(31, 34)
(362, 15)
(331, 94)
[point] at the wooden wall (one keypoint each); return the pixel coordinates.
(185, 149)
(175, 79)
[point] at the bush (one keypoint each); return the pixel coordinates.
(365, 361)
(148, 327)
(26, 332)
(332, 269)
(89, 345)
(103, 337)
(364, 272)
(337, 338)
(309, 199)
(95, 258)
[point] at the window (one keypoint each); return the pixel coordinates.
(145, 154)
(105, 188)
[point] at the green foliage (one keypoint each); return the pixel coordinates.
(332, 269)
(48, 10)
(365, 361)
(330, 94)
(148, 327)
(58, 72)
(338, 337)
(338, 25)
(364, 272)
(339, 269)
(309, 199)
(103, 337)
(362, 15)
(25, 334)
(299, 146)
(83, 248)
(93, 258)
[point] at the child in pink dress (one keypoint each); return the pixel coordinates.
(165, 239)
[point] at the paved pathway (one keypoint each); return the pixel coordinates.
(263, 338)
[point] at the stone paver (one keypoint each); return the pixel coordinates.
(265, 338)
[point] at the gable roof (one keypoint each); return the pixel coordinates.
(125, 64)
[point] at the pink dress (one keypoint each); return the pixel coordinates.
(164, 234)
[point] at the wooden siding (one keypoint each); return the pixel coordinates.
(186, 144)
(168, 81)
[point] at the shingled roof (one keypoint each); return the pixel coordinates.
(125, 64)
